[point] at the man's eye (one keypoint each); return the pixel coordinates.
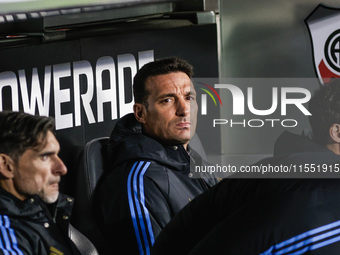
(191, 98)
(44, 157)
(167, 100)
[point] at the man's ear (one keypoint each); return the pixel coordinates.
(139, 111)
(334, 133)
(6, 166)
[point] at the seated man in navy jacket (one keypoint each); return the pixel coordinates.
(34, 215)
(149, 178)
(271, 216)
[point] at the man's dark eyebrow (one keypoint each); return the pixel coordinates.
(191, 92)
(167, 95)
(46, 153)
(174, 95)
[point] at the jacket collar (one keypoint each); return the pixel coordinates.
(127, 142)
(33, 207)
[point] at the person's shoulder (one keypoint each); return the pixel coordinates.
(135, 168)
(152, 169)
(136, 147)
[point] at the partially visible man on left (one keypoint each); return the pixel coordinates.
(34, 216)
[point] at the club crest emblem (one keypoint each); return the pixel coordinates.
(324, 28)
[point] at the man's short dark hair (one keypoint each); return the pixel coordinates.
(157, 67)
(21, 131)
(325, 109)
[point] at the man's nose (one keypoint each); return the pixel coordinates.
(59, 167)
(183, 107)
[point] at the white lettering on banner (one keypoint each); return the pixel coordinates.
(10, 79)
(43, 102)
(106, 64)
(61, 96)
(37, 101)
(124, 61)
(83, 69)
